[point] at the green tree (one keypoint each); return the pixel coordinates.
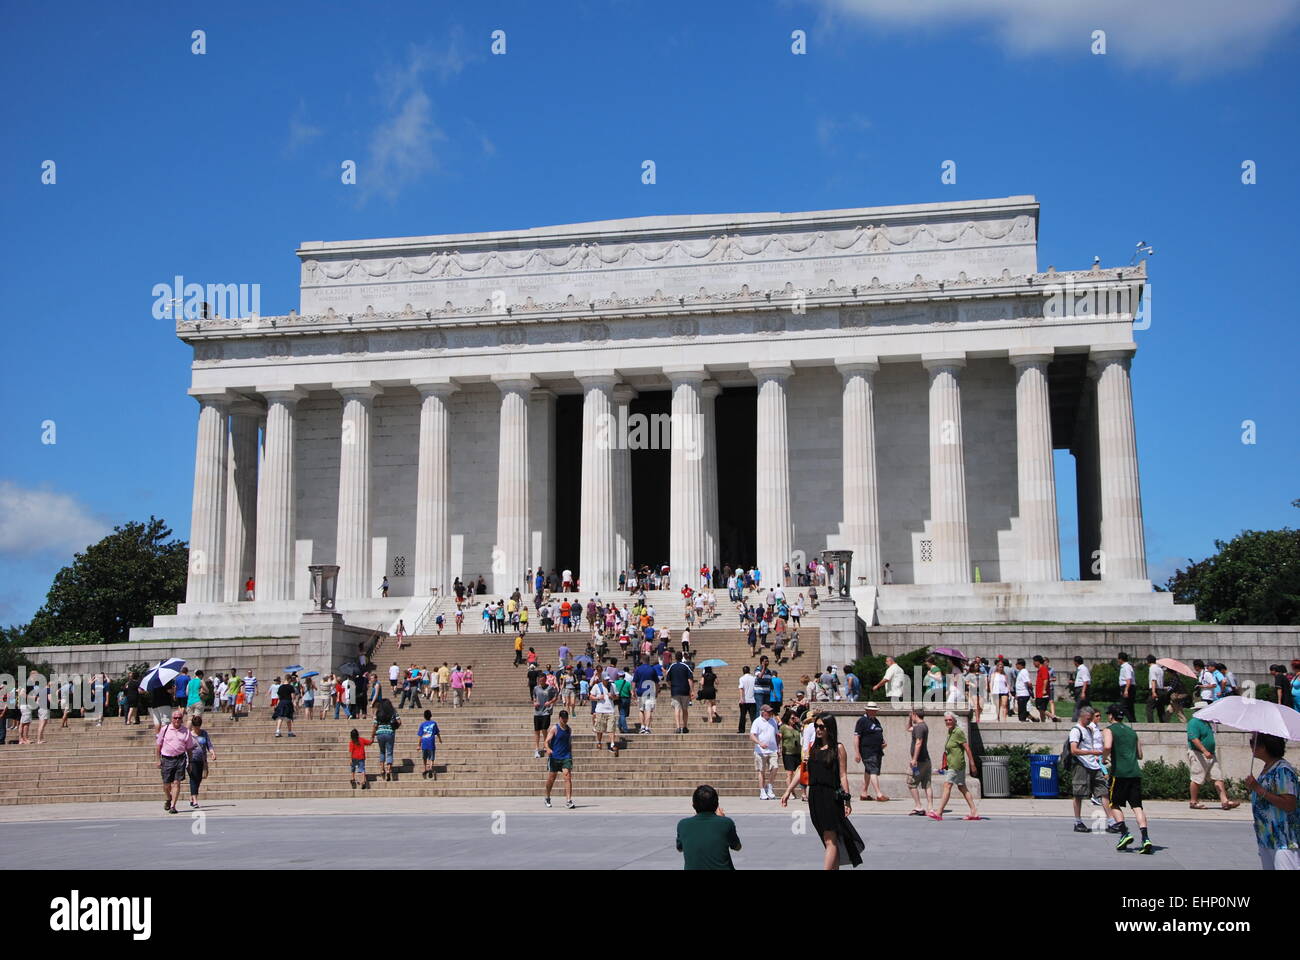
(131, 576)
(1252, 579)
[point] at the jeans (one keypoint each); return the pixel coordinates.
(759, 700)
(385, 748)
(624, 705)
(344, 707)
(747, 715)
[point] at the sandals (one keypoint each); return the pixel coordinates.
(883, 799)
(1197, 806)
(1231, 805)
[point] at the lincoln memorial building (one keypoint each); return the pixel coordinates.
(746, 389)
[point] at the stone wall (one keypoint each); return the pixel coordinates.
(268, 657)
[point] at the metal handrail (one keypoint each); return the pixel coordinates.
(429, 610)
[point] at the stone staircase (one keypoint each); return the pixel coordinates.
(487, 748)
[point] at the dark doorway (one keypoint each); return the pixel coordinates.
(568, 482)
(651, 471)
(736, 413)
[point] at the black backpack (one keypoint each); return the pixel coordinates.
(1068, 758)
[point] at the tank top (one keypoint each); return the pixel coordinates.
(561, 743)
(1124, 751)
(820, 775)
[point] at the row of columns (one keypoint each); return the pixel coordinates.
(243, 509)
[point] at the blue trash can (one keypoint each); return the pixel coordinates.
(1043, 775)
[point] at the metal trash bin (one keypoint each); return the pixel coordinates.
(1043, 776)
(995, 777)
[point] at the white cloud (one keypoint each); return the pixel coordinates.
(1191, 36)
(42, 521)
(829, 129)
(301, 132)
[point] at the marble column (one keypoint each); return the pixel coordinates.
(275, 496)
(352, 540)
(686, 548)
(1123, 541)
(433, 488)
(774, 533)
(861, 490)
(208, 515)
(1040, 537)
(597, 555)
(511, 555)
(623, 396)
(709, 392)
(948, 527)
(242, 456)
(1088, 479)
(541, 480)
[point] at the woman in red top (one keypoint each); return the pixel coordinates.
(357, 749)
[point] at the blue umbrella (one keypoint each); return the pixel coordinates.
(582, 659)
(311, 673)
(162, 675)
(712, 663)
(294, 669)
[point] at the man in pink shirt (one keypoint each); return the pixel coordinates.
(174, 743)
(457, 686)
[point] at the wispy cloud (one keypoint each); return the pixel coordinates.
(401, 149)
(1193, 37)
(831, 129)
(35, 522)
(301, 132)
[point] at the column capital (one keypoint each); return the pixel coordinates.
(598, 378)
(625, 393)
(435, 386)
(710, 389)
(943, 361)
(686, 373)
(514, 382)
(357, 389)
(244, 407)
(1027, 356)
(542, 393)
(864, 366)
(1111, 352)
(287, 394)
(214, 397)
(771, 369)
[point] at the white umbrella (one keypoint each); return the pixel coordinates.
(1256, 716)
(162, 675)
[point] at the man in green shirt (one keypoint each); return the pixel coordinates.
(956, 758)
(1204, 764)
(706, 838)
(1121, 749)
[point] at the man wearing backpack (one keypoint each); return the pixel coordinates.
(1083, 762)
(1160, 688)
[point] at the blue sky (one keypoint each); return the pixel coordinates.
(217, 166)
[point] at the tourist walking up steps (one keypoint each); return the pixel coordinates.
(429, 732)
(384, 733)
(559, 759)
(829, 800)
(1121, 751)
(284, 708)
(357, 752)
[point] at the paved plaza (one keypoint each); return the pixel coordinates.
(520, 834)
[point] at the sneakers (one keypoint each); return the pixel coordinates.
(1094, 801)
(292, 734)
(1147, 847)
(1113, 828)
(548, 803)
(1081, 827)
(571, 805)
(537, 754)
(1124, 842)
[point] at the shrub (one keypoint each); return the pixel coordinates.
(870, 670)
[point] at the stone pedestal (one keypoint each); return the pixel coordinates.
(839, 631)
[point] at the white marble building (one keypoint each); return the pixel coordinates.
(911, 368)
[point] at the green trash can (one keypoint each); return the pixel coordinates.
(995, 777)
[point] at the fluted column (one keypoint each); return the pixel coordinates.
(433, 488)
(1040, 537)
(686, 484)
(623, 396)
(541, 478)
(597, 555)
(709, 392)
(352, 540)
(1123, 541)
(861, 491)
(774, 534)
(948, 527)
(208, 515)
(1088, 478)
(511, 555)
(275, 496)
(241, 499)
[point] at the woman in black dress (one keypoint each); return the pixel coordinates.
(709, 694)
(829, 800)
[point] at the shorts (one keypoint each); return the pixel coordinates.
(1086, 782)
(173, 769)
(284, 711)
(42, 713)
(604, 722)
(790, 761)
(764, 761)
(428, 755)
(555, 766)
(648, 704)
(956, 777)
(1040, 704)
(541, 723)
(161, 715)
(681, 702)
(1271, 859)
(871, 762)
(1126, 790)
(358, 766)
(921, 778)
(1202, 769)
